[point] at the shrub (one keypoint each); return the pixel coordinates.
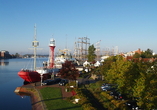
(88, 106)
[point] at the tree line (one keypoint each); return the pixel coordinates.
(135, 79)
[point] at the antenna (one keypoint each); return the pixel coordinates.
(35, 33)
(66, 42)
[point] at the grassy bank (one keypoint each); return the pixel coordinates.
(52, 98)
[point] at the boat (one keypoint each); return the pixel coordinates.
(63, 55)
(40, 73)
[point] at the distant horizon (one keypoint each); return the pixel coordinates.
(40, 53)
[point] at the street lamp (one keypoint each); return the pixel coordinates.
(52, 75)
(41, 75)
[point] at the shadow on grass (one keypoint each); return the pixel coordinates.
(94, 101)
(68, 108)
(46, 100)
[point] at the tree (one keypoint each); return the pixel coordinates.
(136, 55)
(122, 73)
(91, 53)
(68, 71)
(146, 85)
(17, 55)
(147, 54)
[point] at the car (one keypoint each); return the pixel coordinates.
(47, 82)
(57, 80)
(63, 82)
(132, 104)
(114, 93)
(108, 87)
(117, 95)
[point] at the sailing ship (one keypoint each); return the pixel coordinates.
(41, 73)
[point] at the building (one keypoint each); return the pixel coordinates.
(131, 53)
(4, 54)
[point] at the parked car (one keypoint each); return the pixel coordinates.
(47, 82)
(132, 104)
(57, 80)
(108, 87)
(117, 95)
(63, 82)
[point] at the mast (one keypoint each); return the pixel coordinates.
(35, 44)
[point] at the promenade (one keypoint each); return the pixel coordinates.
(36, 99)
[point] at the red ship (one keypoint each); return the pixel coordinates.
(42, 73)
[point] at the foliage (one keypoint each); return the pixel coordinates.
(136, 55)
(111, 103)
(121, 73)
(91, 53)
(68, 71)
(135, 79)
(146, 86)
(146, 54)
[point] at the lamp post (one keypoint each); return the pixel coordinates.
(41, 75)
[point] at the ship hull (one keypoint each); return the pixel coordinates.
(33, 76)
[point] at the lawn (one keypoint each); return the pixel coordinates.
(52, 98)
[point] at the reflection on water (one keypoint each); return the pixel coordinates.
(23, 95)
(4, 62)
(25, 83)
(9, 81)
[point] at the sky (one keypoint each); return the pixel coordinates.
(126, 24)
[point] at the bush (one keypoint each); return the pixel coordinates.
(88, 106)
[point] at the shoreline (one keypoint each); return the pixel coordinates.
(32, 90)
(35, 97)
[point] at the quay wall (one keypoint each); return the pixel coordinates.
(35, 97)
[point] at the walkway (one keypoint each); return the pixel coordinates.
(36, 100)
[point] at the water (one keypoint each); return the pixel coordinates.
(9, 80)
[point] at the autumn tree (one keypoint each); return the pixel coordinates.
(68, 71)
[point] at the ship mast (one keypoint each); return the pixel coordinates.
(35, 44)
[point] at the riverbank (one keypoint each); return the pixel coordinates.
(36, 99)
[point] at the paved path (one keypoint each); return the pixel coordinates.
(36, 100)
(38, 103)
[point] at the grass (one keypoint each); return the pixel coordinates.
(52, 98)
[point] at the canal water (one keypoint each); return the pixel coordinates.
(9, 80)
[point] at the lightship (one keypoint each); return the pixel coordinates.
(40, 73)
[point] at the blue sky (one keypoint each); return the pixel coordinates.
(128, 24)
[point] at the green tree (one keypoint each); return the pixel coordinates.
(146, 85)
(155, 56)
(91, 53)
(122, 73)
(147, 54)
(17, 55)
(136, 55)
